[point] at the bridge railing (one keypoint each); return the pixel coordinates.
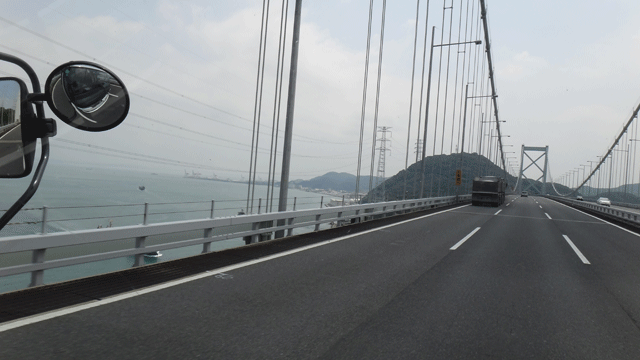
(627, 205)
(251, 228)
(632, 218)
(6, 128)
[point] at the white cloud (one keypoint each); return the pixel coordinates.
(520, 66)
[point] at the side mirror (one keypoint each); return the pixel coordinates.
(87, 96)
(82, 94)
(16, 151)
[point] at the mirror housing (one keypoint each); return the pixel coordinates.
(87, 96)
(17, 143)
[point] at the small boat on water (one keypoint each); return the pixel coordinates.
(155, 254)
(141, 187)
(340, 202)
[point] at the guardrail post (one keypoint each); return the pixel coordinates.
(342, 200)
(256, 237)
(290, 230)
(259, 205)
(44, 220)
(317, 228)
(206, 247)
(321, 201)
(368, 210)
(37, 277)
(338, 221)
(146, 214)
(290, 220)
(139, 261)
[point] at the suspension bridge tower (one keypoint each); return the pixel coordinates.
(534, 151)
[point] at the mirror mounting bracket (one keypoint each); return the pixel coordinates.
(39, 97)
(44, 156)
(40, 128)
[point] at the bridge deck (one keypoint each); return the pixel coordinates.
(516, 288)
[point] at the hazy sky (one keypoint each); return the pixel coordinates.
(567, 74)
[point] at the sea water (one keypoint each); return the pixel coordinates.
(80, 198)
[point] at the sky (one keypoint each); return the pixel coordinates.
(567, 76)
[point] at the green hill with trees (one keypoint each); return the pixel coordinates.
(439, 178)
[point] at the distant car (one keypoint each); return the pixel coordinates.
(579, 198)
(524, 194)
(604, 201)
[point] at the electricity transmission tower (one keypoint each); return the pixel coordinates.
(418, 149)
(381, 157)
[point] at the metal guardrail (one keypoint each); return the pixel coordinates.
(232, 228)
(629, 217)
(627, 205)
(6, 128)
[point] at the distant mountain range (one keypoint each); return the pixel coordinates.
(440, 181)
(335, 181)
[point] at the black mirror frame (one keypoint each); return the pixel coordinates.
(26, 116)
(63, 117)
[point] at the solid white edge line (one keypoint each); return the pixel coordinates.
(597, 218)
(95, 303)
(508, 204)
(456, 246)
(548, 216)
(584, 259)
(498, 212)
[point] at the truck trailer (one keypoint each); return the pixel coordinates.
(488, 190)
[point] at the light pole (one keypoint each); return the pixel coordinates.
(571, 176)
(601, 162)
(590, 176)
(515, 158)
(626, 173)
(497, 144)
(490, 135)
(482, 128)
(584, 175)
(288, 133)
(633, 170)
(584, 172)
(504, 145)
(426, 119)
(610, 173)
(464, 125)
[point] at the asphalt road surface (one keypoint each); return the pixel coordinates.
(532, 279)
